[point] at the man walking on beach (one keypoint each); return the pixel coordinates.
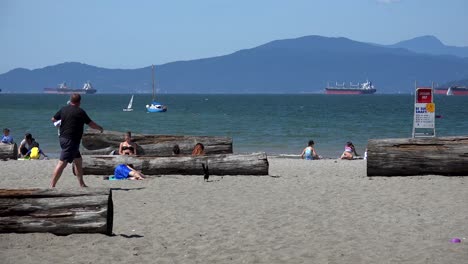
(73, 119)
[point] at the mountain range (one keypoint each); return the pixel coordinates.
(301, 65)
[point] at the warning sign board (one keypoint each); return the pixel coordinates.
(424, 115)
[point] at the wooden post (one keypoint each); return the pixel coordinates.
(223, 164)
(97, 143)
(62, 212)
(418, 156)
(8, 151)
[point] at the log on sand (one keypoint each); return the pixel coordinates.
(62, 212)
(153, 145)
(418, 156)
(8, 151)
(220, 164)
(104, 151)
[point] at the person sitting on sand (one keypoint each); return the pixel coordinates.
(128, 147)
(6, 138)
(124, 172)
(25, 145)
(309, 152)
(198, 150)
(349, 151)
(35, 152)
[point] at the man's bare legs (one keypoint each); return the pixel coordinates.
(78, 165)
(57, 172)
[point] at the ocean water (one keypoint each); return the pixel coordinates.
(276, 124)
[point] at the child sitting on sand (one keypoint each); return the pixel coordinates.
(6, 138)
(309, 152)
(35, 152)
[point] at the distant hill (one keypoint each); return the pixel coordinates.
(431, 45)
(301, 65)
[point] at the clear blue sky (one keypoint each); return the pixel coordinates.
(134, 34)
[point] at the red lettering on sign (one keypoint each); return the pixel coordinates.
(424, 95)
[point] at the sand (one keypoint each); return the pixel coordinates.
(325, 211)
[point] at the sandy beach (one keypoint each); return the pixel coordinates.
(325, 211)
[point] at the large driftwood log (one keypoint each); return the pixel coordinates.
(418, 156)
(220, 164)
(8, 151)
(62, 212)
(153, 145)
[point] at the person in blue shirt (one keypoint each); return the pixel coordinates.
(125, 172)
(6, 138)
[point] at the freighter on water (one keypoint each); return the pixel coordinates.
(452, 90)
(359, 88)
(63, 89)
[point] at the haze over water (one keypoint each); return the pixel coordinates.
(276, 124)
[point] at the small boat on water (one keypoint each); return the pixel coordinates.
(64, 89)
(129, 107)
(359, 88)
(452, 90)
(155, 107)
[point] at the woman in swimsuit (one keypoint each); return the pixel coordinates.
(128, 147)
(349, 151)
(309, 152)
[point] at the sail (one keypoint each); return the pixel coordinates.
(130, 103)
(450, 91)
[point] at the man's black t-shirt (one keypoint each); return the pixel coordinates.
(73, 120)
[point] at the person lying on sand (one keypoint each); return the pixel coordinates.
(126, 172)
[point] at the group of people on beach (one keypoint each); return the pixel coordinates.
(309, 152)
(128, 147)
(71, 120)
(28, 147)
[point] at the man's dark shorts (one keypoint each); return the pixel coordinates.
(70, 150)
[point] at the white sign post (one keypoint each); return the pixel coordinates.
(424, 113)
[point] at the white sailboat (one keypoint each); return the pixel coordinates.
(155, 107)
(129, 107)
(449, 91)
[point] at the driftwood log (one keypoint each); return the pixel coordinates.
(97, 143)
(219, 164)
(62, 212)
(8, 151)
(418, 156)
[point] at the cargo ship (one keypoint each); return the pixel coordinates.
(452, 90)
(64, 89)
(360, 88)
